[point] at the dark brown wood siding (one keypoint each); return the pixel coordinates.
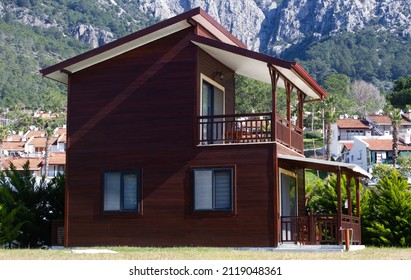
(209, 67)
(135, 112)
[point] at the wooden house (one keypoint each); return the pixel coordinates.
(157, 156)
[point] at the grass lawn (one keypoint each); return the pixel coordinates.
(188, 253)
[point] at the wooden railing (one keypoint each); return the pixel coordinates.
(242, 128)
(314, 228)
(324, 227)
(289, 134)
(295, 229)
(248, 128)
(354, 225)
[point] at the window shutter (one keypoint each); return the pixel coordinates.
(203, 182)
(130, 192)
(222, 189)
(112, 190)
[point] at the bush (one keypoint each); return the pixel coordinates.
(313, 134)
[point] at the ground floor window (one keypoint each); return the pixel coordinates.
(122, 191)
(213, 189)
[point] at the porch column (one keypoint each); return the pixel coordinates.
(349, 209)
(301, 98)
(289, 89)
(339, 206)
(274, 80)
(358, 197)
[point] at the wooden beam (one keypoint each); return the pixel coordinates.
(301, 98)
(349, 210)
(358, 197)
(339, 206)
(275, 76)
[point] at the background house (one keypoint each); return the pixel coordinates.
(30, 146)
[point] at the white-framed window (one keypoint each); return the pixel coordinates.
(122, 191)
(213, 189)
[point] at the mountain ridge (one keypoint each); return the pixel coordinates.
(367, 40)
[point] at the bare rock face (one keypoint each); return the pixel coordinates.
(269, 26)
(273, 25)
(242, 18)
(92, 36)
(297, 20)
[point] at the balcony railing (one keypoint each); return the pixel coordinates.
(319, 229)
(248, 128)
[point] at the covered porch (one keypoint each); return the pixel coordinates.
(302, 226)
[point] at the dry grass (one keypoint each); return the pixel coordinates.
(133, 253)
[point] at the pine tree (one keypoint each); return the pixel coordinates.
(386, 214)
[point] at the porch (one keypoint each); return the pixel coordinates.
(320, 229)
(249, 128)
(299, 227)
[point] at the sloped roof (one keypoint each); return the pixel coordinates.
(57, 158)
(254, 65)
(13, 145)
(349, 145)
(35, 163)
(384, 145)
(59, 71)
(40, 141)
(353, 123)
(325, 165)
(380, 119)
(227, 49)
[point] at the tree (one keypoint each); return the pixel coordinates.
(380, 170)
(404, 162)
(396, 118)
(367, 97)
(322, 197)
(29, 205)
(401, 94)
(386, 213)
(329, 118)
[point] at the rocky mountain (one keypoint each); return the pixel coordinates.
(274, 25)
(364, 39)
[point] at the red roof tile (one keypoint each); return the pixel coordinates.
(385, 145)
(353, 123)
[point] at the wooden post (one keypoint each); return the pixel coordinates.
(274, 80)
(339, 206)
(347, 239)
(301, 98)
(288, 88)
(358, 197)
(312, 226)
(349, 209)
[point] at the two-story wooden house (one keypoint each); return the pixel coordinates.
(157, 156)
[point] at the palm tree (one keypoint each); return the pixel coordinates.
(396, 117)
(329, 119)
(49, 126)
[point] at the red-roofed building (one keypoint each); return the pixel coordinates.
(344, 131)
(368, 151)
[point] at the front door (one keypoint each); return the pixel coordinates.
(288, 181)
(212, 104)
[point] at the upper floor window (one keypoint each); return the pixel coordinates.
(213, 189)
(122, 191)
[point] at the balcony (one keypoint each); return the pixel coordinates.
(248, 128)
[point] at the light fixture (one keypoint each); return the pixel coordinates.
(220, 75)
